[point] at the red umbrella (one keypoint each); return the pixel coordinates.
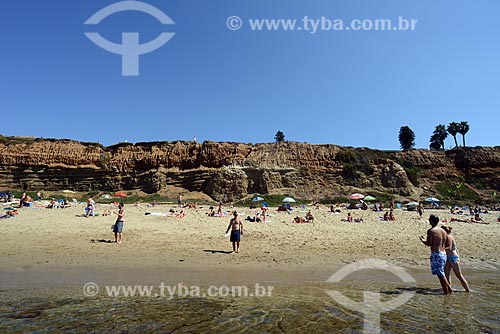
(120, 194)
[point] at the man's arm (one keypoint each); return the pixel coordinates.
(229, 226)
(241, 226)
(427, 242)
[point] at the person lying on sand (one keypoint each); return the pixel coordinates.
(351, 219)
(10, 214)
(299, 220)
(181, 214)
(476, 219)
(459, 220)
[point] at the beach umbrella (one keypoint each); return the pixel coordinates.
(369, 198)
(412, 204)
(356, 196)
(257, 199)
(288, 200)
(106, 196)
(67, 191)
(120, 194)
(431, 199)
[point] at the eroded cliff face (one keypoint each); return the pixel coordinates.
(230, 171)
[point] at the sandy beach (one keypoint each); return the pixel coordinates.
(61, 247)
(49, 255)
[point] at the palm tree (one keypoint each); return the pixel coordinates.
(439, 136)
(463, 128)
(436, 146)
(453, 129)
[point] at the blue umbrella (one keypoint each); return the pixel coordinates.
(431, 199)
(257, 199)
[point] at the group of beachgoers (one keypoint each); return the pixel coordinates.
(444, 251)
(444, 254)
(27, 201)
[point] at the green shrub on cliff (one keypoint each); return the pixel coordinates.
(457, 191)
(413, 174)
(346, 157)
(353, 163)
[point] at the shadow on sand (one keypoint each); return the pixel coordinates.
(102, 241)
(420, 291)
(217, 251)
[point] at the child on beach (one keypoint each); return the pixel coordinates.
(420, 210)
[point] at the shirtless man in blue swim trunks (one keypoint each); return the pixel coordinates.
(236, 226)
(437, 240)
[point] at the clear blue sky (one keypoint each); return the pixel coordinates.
(353, 88)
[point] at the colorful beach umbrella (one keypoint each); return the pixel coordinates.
(106, 196)
(356, 196)
(369, 198)
(288, 200)
(257, 199)
(120, 194)
(431, 199)
(412, 204)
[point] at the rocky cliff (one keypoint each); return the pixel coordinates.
(231, 171)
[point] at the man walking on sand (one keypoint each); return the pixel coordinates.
(437, 240)
(236, 226)
(118, 228)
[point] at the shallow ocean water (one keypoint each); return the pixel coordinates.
(292, 308)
